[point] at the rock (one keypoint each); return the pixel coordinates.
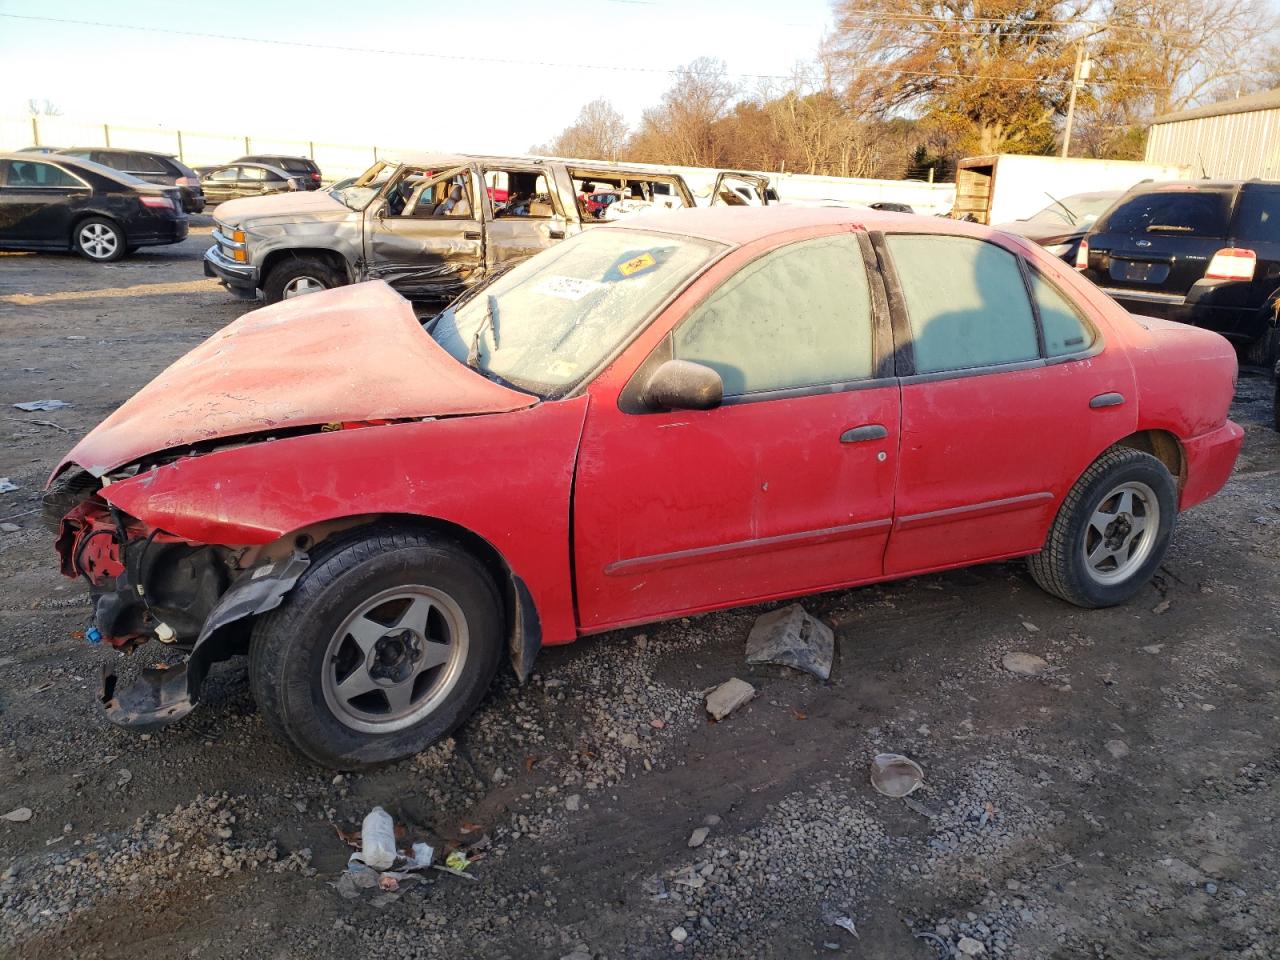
(10, 527)
(728, 697)
(1024, 664)
(1219, 865)
(971, 947)
(572, 802)
(1161, 607)
(679, 934)
(1153, 648)
(711, 820)
(794, 638)
(699, 836)
(18, 815)
(1117, 748)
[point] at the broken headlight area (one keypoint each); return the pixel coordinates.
(145, 584)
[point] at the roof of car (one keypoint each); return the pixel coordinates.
(739, 225)
(150, 153)
(76, 162)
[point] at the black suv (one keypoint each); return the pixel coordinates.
(161, 168)
(1201, 252)
(300, 167)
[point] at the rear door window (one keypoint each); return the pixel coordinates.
(145, 163)
(116, 161)
(966, 302)
(1258, 215)
(1200, 213)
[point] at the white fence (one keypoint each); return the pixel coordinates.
(192, 147)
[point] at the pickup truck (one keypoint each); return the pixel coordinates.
(431, 225)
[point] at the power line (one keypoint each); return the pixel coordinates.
(876, 16)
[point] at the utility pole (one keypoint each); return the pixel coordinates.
(1084, 67)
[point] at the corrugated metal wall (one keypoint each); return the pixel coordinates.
(1237, 146)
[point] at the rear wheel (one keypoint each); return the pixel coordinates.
(1111, 532)
(299, 276)
(99, 239)
(386, 645)
(1265, 351)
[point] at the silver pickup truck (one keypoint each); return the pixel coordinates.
(431, 226)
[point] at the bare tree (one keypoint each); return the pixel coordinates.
(681, 128)
(43, 108)
(599, 133)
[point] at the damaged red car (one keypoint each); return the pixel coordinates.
(683, 412)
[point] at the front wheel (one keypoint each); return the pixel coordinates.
(99, 239)
(1111, 532)
(386, 645)
(299, 276)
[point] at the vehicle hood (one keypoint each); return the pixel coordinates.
(300, 204)
(351, 354)
(1041, 232)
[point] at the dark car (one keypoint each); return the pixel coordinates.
(1061, 225)
(294, 166)
(61, 203)
(162, 168)
(1200, 252)
(241, 179)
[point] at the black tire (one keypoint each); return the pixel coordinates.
(99, 239)
(1264, 351)
(1275, 403)
(291, 270)
(289, 649)
(1061, 567)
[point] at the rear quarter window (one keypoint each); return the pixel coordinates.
(1199, 214)
(1258, 215)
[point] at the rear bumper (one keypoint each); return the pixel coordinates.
(1203, 306)
(155, 233)
(1210, 458)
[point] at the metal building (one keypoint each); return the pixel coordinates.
(1233, 140)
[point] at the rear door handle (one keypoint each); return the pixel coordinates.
(557, 234)
(870, 431)
(471, 235)
(1106, 400)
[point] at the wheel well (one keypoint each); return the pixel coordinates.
(520, 615)
(90, 215)
(331, 257)
(1162, 445)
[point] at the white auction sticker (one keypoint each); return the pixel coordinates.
(567, 288)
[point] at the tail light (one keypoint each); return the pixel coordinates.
(1232, 263)
(1082, 255)
(316, 176)
(186, 182)
(159, 203)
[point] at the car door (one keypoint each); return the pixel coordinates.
(531, 219)
(421, 241)
(1009, 392)
(740, 189)
(785, 488)
(37, 201)
(221, 184)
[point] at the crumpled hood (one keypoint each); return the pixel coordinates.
(317, 203)
(354, 353)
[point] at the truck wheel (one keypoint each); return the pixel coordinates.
(100, 239)
(386, 645)
(1111, 532)
(1265, 351)
(298, 276)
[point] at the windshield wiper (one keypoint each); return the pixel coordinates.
(491, 321)
(1063, 206)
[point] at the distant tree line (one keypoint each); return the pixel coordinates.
(905, 87)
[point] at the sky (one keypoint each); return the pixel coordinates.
(449, 101)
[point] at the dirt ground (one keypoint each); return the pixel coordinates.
(1123, 803)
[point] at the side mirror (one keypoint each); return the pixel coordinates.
(683, 385)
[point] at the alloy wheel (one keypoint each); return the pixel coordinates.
(98, 240)
(1121, 532)
(301, 286)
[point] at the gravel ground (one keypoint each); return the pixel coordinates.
(1121, 802)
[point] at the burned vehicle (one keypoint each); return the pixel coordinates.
(682, 412)
(430, 226)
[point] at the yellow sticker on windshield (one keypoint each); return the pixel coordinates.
(636, 264)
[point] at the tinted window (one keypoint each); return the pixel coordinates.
(1202, 213)
(28, 173)
(116, 161)
(796, 317)
(146, 163)
(966, 301)
(295, 166)
(1258, 215)
(1065, 331)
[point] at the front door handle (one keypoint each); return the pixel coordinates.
(557, 234)
(1106, 400)
(471, 235)
(870, 431)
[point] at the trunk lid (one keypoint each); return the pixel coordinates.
(352, 354)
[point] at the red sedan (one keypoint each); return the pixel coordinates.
(690, 411)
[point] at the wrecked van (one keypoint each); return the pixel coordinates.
(430, 226)
(682, 412)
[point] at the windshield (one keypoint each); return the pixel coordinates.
(545, 324)
(359, 194)
(1080, 209)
